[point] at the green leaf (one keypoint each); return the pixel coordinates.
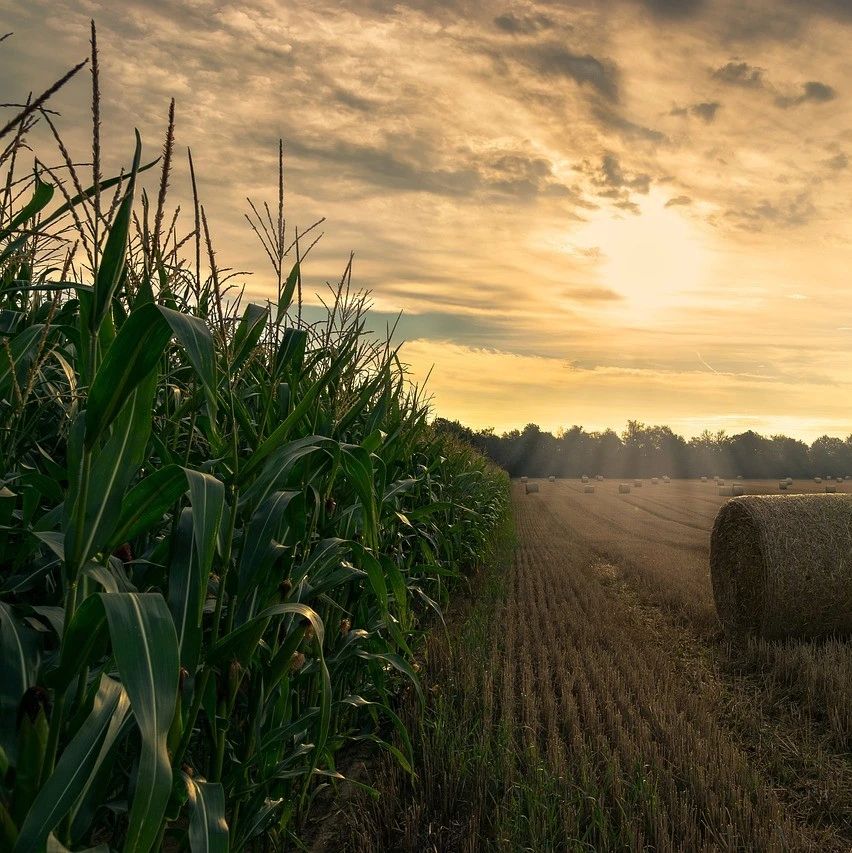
(146, 651)
(145, 504)
(111, 266)
(23, 349)
(195, 336)
(75, 766)
(248, 334)
(287, 292)
(112, 471)
(132, 357)
(208, 829)
(19, 660)
(42, 195)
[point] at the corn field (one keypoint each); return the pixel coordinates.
(222, 529)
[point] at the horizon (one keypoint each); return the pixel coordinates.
(637, 209)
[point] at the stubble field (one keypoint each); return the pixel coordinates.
(621, 657)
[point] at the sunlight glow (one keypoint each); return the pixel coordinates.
(652, 259)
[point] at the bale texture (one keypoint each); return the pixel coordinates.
(624, 488)
(782, 567)
(783, 485)
(531, 488)
(830, 490)
(726, 491)
(637, 484)
(737, 490)
(589, 490)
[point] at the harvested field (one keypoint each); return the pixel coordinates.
(606, 710)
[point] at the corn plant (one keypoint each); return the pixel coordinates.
(221, 527)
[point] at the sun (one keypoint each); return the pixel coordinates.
(653, 259)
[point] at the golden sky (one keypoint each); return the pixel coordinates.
(588, 211)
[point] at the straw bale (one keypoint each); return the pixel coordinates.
(624, 488)
(589, 490)
(637, 484)
(726, 491)
(830, 490)
(531, 488)
(737, 490)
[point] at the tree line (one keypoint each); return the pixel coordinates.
(648, 451)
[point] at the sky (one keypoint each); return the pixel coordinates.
(588, 212)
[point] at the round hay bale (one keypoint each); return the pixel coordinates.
(637, 484)
(655, 481)
(737, 490)
(831, 490)
(524, 479)
(783, 567)
(531, 488)
(726, 491)
(703, 479)
(667, 479)
(584, 479)
(789, 481)
(588, 490)
(838, 480)
(783, 485)
(720, 482)
(551, 479)
(817, 479)
(624, 488)
(599, 478)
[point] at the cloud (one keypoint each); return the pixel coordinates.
(705, 110)
(837, 163)
(630, 130)
(524, 25)
(740, 74)
(554, 60)
(813, 91)
(675, 8)
(789, 212)
(677, 201)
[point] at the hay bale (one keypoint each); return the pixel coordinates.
(637, 484)
(720, 482)
(584, 479)
(831, 490)
(524, 479)
(737, 490)
(654, 481)
(667, 479)
(588, 490)
(624, 488)
(789, 481)
(847, 477)
(739, 476)
(783, 568)
(726, 491)
(783, 485)
(531, 488)
(703, 479)
(551, 479)
(838, 480)
(817, 479)
(599, 478)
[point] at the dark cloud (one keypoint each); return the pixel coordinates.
(614, 182)
(630, 130)
(706, 110)
(591, 294)
(513, 173)
(837, 163)
(813, 91)
(784, 213)
(675, 8)
(740, 74)
(555, 60)
(523, 25)
(678, 201)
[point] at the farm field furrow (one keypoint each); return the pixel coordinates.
(616, 634)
